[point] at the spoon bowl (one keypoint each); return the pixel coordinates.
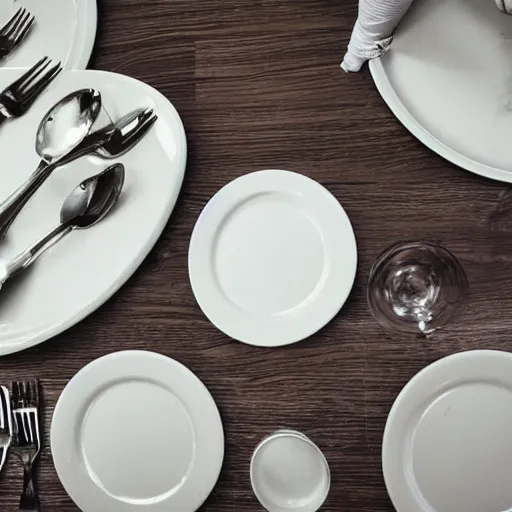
(67, 123)
(93, 199)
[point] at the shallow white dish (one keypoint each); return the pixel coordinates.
(137, 431)
(289, 473)
(64, 31)
(272, 258)
(447, 78)
(448, 442)
(82, 271)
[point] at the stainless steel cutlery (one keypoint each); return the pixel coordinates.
(15, 31)
(5, 425)
(63, 127)
(16, 99)
(26, 442)
(108, 143)
(89, 203)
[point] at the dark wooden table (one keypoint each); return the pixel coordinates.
(258, 85)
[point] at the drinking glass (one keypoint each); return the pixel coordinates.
(416, 287)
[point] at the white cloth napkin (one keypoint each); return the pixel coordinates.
(376, 21)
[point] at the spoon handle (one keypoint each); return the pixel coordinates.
(11, 207)
(25, 258)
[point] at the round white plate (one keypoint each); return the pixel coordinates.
(289, 473)
(64, 31)
(447, 78)
(137, 431)
(448, 439)
(88, 266)
(272, 258)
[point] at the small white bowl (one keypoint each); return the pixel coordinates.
(289, 473)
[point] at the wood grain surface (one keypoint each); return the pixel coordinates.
(258, 85)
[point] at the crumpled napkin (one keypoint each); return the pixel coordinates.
(373, 31)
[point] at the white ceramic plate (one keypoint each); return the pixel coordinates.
(64, 31)
(272, 258)
(83, 270)
(137, 431)
(447, 78)
(448, 439)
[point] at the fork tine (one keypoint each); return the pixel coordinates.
(15, 392)
(23, 32)
(34, 393)
(28, 75)
(19, 13)
(3, 408)
(20, 22)
(141, 131)
(31, 95)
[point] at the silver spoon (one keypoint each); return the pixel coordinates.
(63, 128)
(109, 142)
(87, 205)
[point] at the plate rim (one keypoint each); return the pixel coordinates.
(134, 355)
(319, 188)
(89, 10)
(51, 330)
(400, 111)
(392, 481)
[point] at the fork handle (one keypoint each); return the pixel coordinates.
(11, 207)
(29, 501)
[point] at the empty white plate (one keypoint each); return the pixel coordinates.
(448, 439)
(447, 78)
(64, 31)
(137, 431)
(272, 258)
(289, 473)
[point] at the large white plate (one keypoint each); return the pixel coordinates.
(448, 79)
(137, 431)
(83, 270)
(272, 258)
(448, 439)
(64, 31)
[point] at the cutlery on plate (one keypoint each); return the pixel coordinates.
(26, 442)
(115, 140)
(108, 143)
(15, 31)
(89, 203)
(16, 99)
(63, 128)
(5, 424)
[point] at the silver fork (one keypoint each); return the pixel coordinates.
(5, 424)
(14, 31)
(26, 437)
(16, 99)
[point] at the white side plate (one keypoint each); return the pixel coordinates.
(272, 258)
(447, 78)
(83, 270)
(448, 439)
(137, 431)
(64, 31)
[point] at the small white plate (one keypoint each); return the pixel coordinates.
(447, 78)
(272, 258)
(137, 431)
(448, 439)
(64, 31)
(289, 473)
(83, 270)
